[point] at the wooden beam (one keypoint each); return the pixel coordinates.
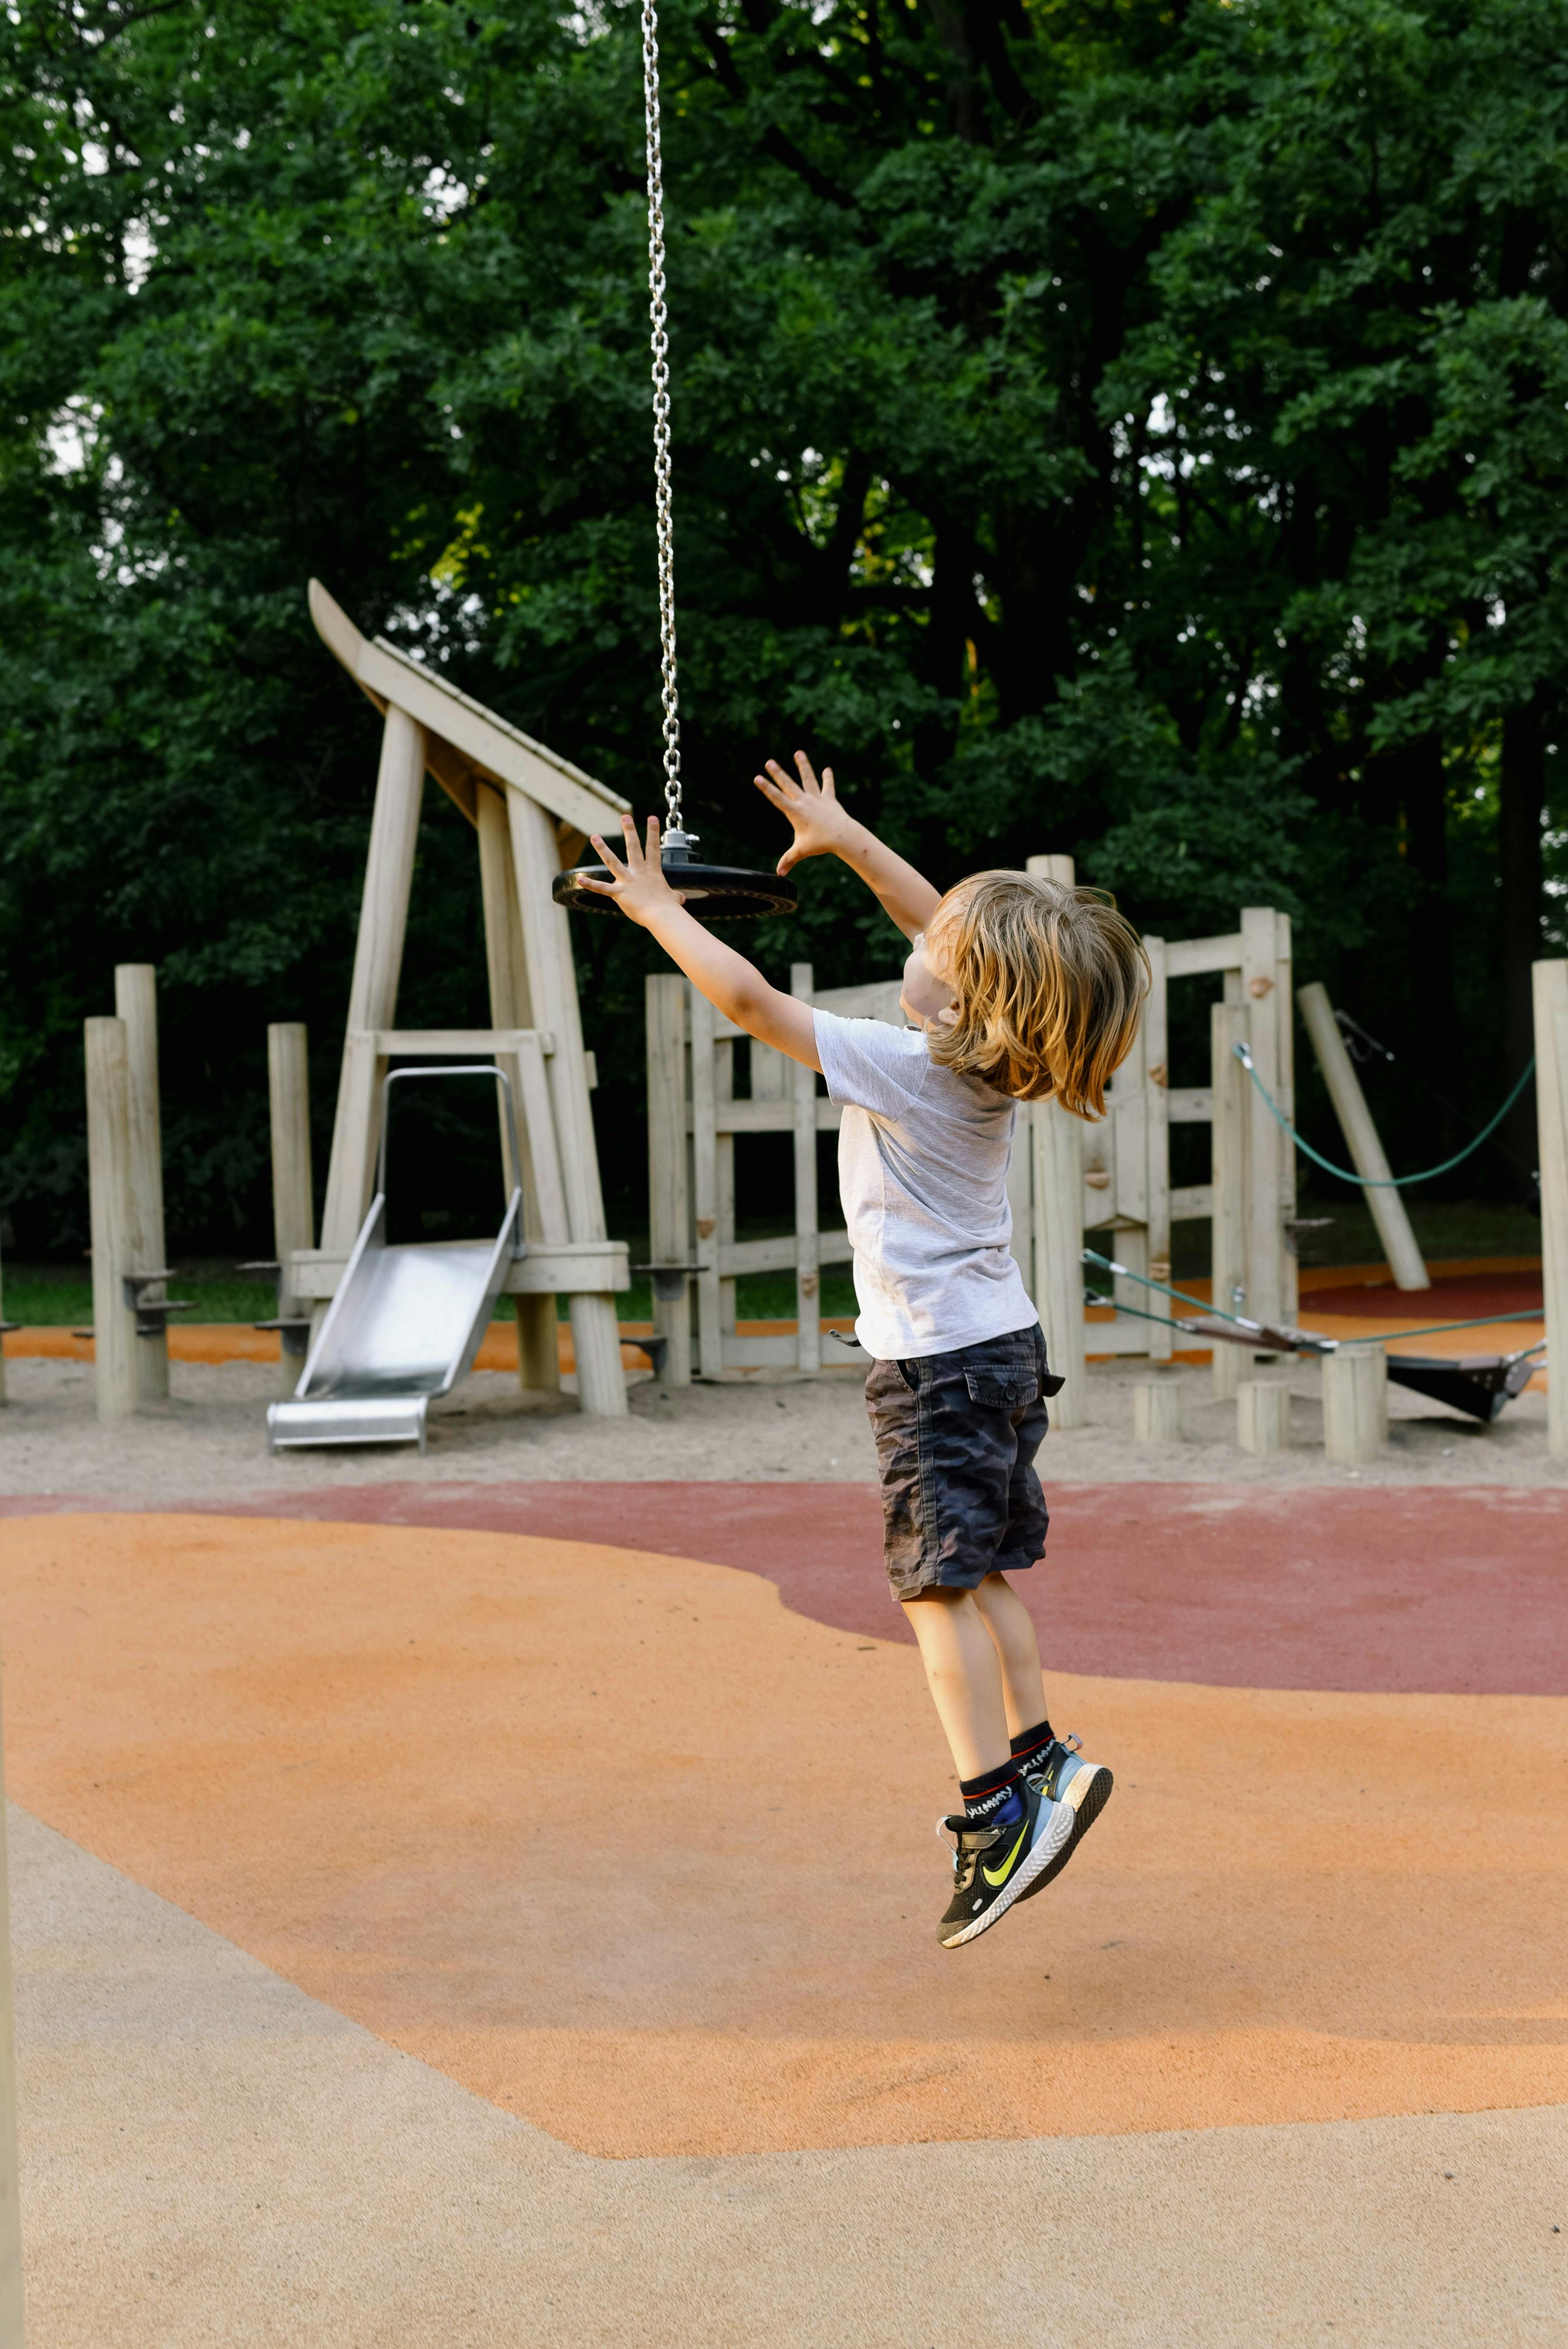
(1229, 1025)
(669, 1196)
(113, 1216)
(705, 1188)
(293, 1194)
(1189, 958)
(808, 1275)
(489, 745)
(1058, 1252)
(1550, 995)
(136, 1002)
(1361, 1139)
(378, 965)
(592, 1267)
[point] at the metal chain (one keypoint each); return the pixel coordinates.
(660, 345)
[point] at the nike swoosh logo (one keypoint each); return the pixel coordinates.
(998, 1876)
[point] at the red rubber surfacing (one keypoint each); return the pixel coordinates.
(1459, 1590)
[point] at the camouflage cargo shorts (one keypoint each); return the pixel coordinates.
(956, 1437)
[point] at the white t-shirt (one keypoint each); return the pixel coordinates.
(923, 1172)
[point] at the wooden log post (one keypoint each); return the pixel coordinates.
(538, 1347)
(1156, 1411)
(1055, 1149)
(293, 1190)
(705, 1188)
(669, 1191)
(1283, 1000)
(1263, 1415)
(377, 966)
(113, 1216)
(808, 1272)
(1267, 1145)
(1157, 1144)
(10, 2293)
(1355, 1404)
(1057, 1141)
(1361, 1139)
(1229, 1025)
(1550, 994)
(136, 1002)
(552, 995)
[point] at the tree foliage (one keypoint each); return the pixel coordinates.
(1137, 428)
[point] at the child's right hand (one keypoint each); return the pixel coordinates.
(821, 825)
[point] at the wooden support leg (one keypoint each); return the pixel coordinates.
(1266, 1145)
(1058, 1253)
(113, 1216)
(808, 1275)
(11, 2300)
(1361, 1139)
(293, 1192)
(538, 1348)
(1283, 999)
(1355, 1404)
(1157, 1140)
(378, 965)
(669, 1198)
(552, 995)
(705, 1188)
(1549, 992)
(136, 1002)
(1229, 1026)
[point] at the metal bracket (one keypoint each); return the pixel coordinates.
(152, 1313)
(669, 1282)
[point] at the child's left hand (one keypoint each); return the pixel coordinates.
(638, 886)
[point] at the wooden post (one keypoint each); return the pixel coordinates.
(1283, 1000)
(136, 1002)
(538, 1351)
(705, 1188)
(1157, 1082)
(2, 1341)
(10, 2293)
(669, 1195)
(1057, 1238)
(1355, 1404)
(113, 1216)
(1266, 1145)
(1263, 1415)
(552, 993)
(1156, 1411)
(723, 1094)
(377, 966)
(1229, 1025)
(293, 1191)
(1550, 990)
(1058, 1253)
(808, 1275)
(1361, 1139)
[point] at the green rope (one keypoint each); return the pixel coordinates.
(1379, 1182)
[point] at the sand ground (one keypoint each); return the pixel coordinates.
(210, 1440)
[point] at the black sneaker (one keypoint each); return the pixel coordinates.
(993, 1866)
(1080, 1788)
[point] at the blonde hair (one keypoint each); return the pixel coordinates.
(1049, 983)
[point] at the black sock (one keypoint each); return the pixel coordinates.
(994, 1799)
(1030, 1744)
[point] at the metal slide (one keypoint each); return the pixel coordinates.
(405, 1322)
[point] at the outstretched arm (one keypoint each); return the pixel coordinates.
(734, 987)
(822, 828)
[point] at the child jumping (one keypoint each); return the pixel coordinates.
(1017, 989)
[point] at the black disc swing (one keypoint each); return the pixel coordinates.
(720, 890)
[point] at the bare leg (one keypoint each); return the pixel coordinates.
(1008, 1621)
(960, 1655)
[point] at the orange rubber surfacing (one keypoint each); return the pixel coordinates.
(621, 1845)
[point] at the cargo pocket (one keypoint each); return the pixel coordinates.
(998, 1386)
